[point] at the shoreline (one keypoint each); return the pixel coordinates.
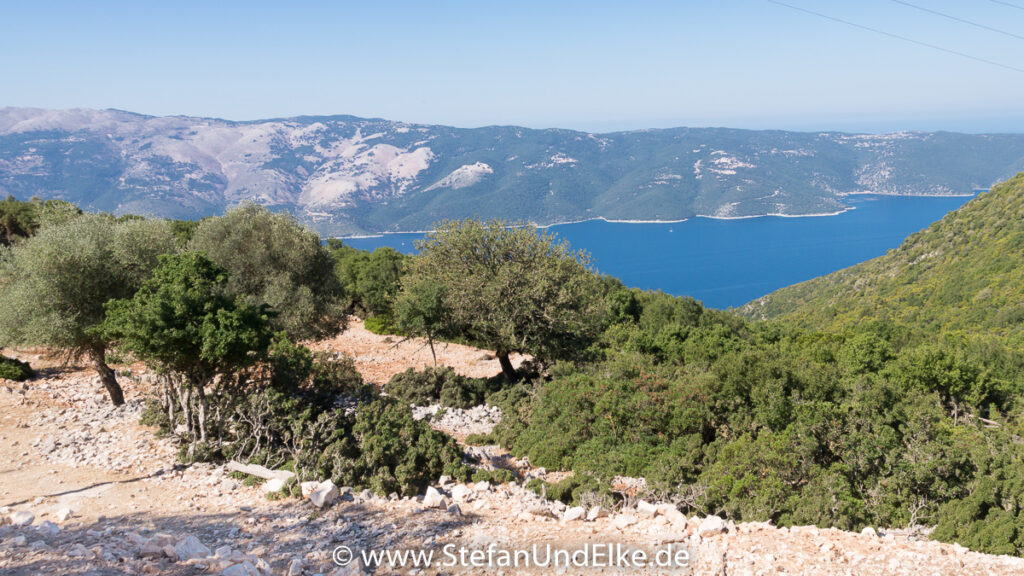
(971, 195)
(707, 216)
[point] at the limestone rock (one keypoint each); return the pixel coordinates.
(622, 521)
(595, 513)
(273, 485)
(22, 518)
(63, 514)
(189, 548)
(646, 509)
(574, 513)
(461, 492)
(432, 498)
(711, 526)
(308, 488)
(324, 495)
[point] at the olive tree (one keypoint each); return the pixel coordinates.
(420, 311)
(54, 284)
(271, 259)
(512, 289)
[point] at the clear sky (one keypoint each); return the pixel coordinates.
(588, 65)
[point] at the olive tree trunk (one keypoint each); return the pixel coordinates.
(98, 359)
(506, 366)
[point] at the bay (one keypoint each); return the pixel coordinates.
(727, 263)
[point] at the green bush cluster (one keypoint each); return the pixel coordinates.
(766, 422)
(440, 384)
(14, 369)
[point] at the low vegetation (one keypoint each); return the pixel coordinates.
(899, 405)
(13, 369)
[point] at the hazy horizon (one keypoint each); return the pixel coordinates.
(872, 66)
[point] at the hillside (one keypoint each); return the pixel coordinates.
(348, 175)
(964, 272)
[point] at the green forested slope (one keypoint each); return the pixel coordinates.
(965, 272)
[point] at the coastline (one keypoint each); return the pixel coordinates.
(612, 221)
(869, 193)
(708, 216)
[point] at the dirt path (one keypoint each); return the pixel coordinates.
(378, 358)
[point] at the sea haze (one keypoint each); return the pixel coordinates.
(727, 263)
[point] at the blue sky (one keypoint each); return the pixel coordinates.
(597, 66)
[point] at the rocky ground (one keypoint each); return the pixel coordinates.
(84, 489)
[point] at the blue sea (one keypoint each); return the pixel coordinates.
(727, 263)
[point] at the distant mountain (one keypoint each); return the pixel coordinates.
(965, 272)
(348, 175)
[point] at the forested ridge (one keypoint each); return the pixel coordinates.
(881, 416)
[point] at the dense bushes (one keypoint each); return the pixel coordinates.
(13, 369)
(768, 423)
(442, 384)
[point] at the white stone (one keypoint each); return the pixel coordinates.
(79, 551)
(595, 513)
(63, 514)
(645, 508)
(308, 488)
(675, 517)
(243, 569)
(48, 528)
(461, 492)
(711, 526)
(22, 518)
(482, 486)
(223, 552)
(273, 485)
(432, 498)
(189, 548)
(324, 495)
(295, 567)
(624, 520)
(869, 531)
(574, 513)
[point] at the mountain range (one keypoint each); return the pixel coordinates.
(347, 176)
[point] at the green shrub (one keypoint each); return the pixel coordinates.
(440, 384)
(13, 369)
(571, 489)
(496, 476)
(381, 448)
(382, 325)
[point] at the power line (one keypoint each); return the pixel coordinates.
(1010, 4)
(958, 19)
(897, 36)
